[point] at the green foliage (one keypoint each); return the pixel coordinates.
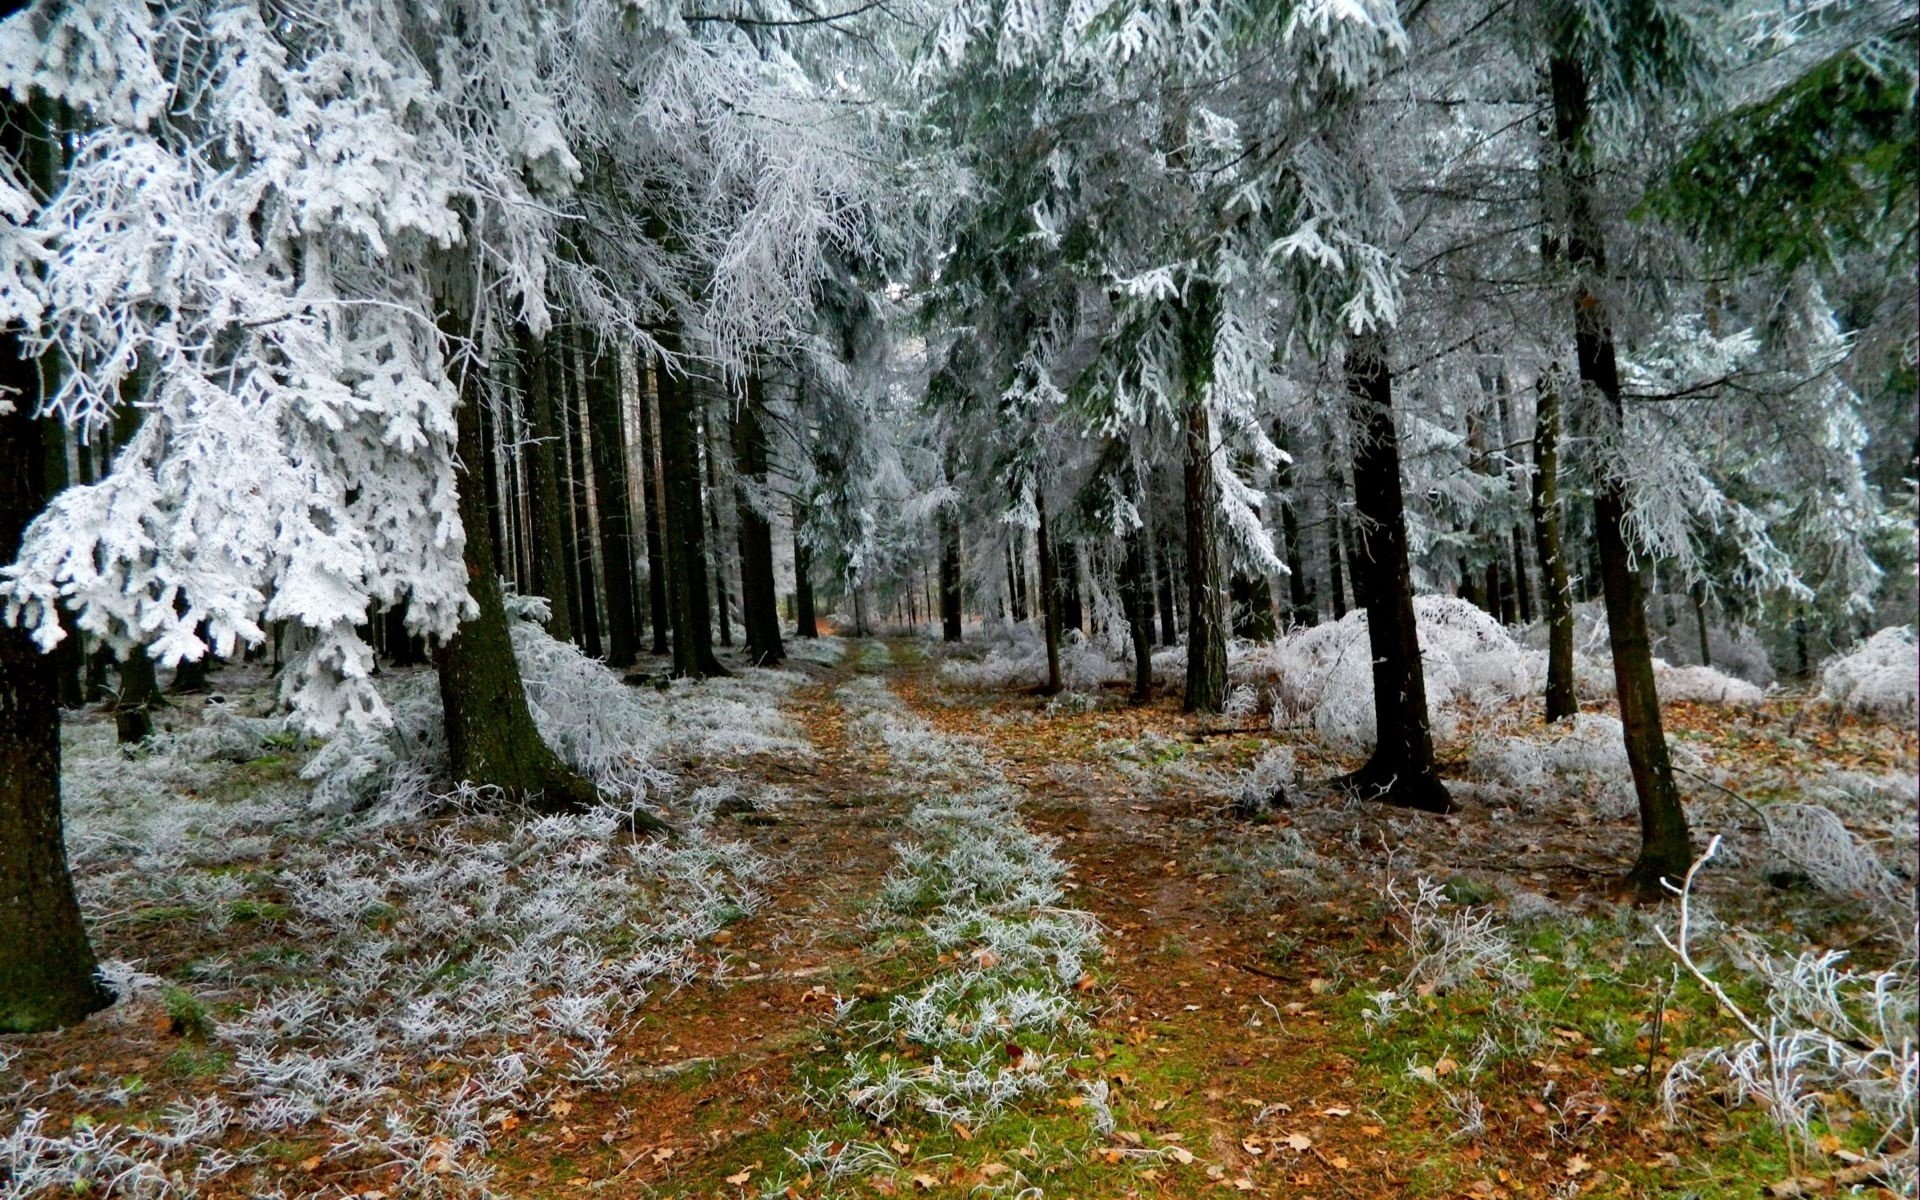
(1824, 166)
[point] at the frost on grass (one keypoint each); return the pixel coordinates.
(995, 1026)
(1881, 678)
(406, 982)
(1831, 1042)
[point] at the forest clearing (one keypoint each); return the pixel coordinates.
(1005, 599)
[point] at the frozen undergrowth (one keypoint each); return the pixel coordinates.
(1880, 678)
(1832, 1042)
(995, 1026)
(405, 984)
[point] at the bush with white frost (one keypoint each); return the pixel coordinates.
(1831, 1039)
(1323, 675)
(1879, 678)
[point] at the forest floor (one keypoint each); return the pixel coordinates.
(1228, 1035)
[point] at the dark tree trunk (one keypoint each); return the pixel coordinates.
(136, 698)
(1666, 846)
(1401, 771)
(567, 395)
(656, 508)
(1136, 598)
(1016, 597)
(1516, 550)
(194, 676)
(491, 738)
(1697, 593)
(717, 544)
(1206, 589)
(949, 577)
(1556, 592)
(1300, 601)
(47, 975)
(805, 623)
(1169, 633)
(688, 603)
(551, 577)
(604, 404)
(759, 604)
(1073, 612)
(1050, 600)
(403, 648)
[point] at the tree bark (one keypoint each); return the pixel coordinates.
(805, 622)
(1300, 603)
(604, 404)
(716, 544)
(1556, 591)
(949, 576)
(1401, 771)
(759, 605)
(657, 608)
(1169, 633)
(550, 573)
(688, 603)
(1697, 593)
(1051, 600)
(1666, 845)
(1206, 589)
(580, 501)
(47, 976)
(1136, 598)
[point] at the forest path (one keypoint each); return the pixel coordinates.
(721, 1059)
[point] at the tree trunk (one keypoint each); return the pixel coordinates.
(693, 655)
(1136, 598)
(716, 544)
(1666, 846)
(1206, 589)
(759, 605)
(1697, 593)
(949, 577)
(1073, 612)
(567, 395)
(1169, 634)
(1300, 603)
(1050, 599)
(138, 695)
(1556, 591)
(491, 738)
(611, 496)
(805, 623)
(656, 509)
(47, 977)
(550, 574)
(1401, 771)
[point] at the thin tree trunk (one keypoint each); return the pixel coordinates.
(1169, 633)
(1666, 846)
(657, 604)
(1556, 591)
(1697, 593)
(716, 544)
(550, 574)
(47, 977)
(611, 496)
(805, 623)
(567, 396)
(693, 655)
(1051, 599)
(949, 577)
(1206, 589)
(1300, 604)
(1401, 771)
(1136, 599)
(759, 605)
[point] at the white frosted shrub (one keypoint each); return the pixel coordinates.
(1814, 841)
(1879, 678)
(1703, 684)
(1324, 674)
